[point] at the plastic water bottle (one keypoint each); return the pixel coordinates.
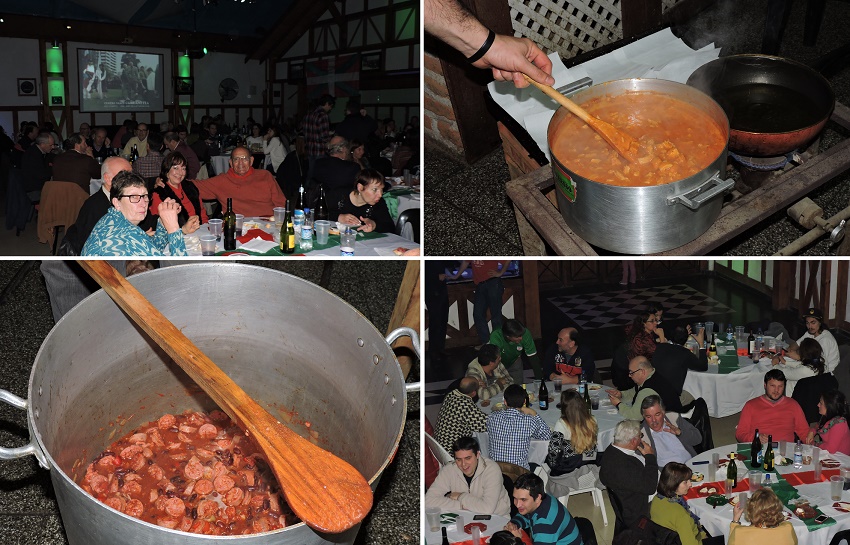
(798, 456)
(760, 339)
(766, 480)
(306, 242)
(730, 332)
(298, 223)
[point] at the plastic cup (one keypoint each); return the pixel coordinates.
(207, 244)
(346, 243)
(215, 227)
(846, 474)
(698, 327)
(279, 214)
(557, 382)
(407, 177)
(240, 219)
(594, 402)
(476, 536)
(709, 329)
(836, 486)
(712, 473)
(432, 514)
(742, 500)
(756, 480)
(721, 349)
(783, 448)
(816, 462)
(323, 228)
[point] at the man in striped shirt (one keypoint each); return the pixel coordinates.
(511, 431)
(544, 517)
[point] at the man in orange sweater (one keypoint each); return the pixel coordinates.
(254, 192)
(772, 413)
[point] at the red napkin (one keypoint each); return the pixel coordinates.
(694, 492)
(808, 477)
(254, 233)
(742, 352)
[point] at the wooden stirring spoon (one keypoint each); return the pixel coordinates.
(620, 141)
(324, 491)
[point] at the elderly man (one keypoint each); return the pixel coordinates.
(671, 436)
(511, 430)
(140, 140)
(630, 471)
(254, 192)
(174, 142)
(100, 144)
(459, 415)
(545, 518)
(648, 383)
(335, 171)
(488, 370)
(473, 482)
(772, 414)
(35, 165)
(568, 359)
(76, 164)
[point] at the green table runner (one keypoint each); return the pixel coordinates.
(333, 240)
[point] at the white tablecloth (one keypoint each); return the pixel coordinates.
(220, 163)
(606, 418)
(454, 530)
(716, 521)
(725, 395)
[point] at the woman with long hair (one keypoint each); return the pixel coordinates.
(172, 184)
(641, 335)
(572, 457)
(767, 522)
(804, 361)
(273, 148)
(670, 509)
(831, 432)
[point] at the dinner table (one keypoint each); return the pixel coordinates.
(729, 382)
(402, 196)
(606, 418)
(804, 494)
(260, 237)
(455, 521)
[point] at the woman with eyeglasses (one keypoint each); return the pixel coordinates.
(118, 232)
(172, 184)
(641, 335)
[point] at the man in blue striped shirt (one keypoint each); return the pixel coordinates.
(545, 518)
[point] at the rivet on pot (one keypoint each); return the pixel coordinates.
(376, 359)
(393, 402)
(386, 379)
(36, 413)
(39, 390)
(360, 342)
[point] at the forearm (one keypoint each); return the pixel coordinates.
(434, 498)
(451, 22)
(535, 365)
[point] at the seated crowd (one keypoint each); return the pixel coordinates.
(644, 468)
(174, 175)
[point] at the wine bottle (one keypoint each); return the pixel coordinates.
(229, 227)
(544, 396)
(321, 205)
(731, 474)
(586, 394)
(287, 233)
(768, 455)
(755, 450)
(712, 348)
(445, 537)
(299, 199)
(751, 344)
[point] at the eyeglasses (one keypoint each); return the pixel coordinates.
(241, 158)
(653, 321)
(136, 198)
(635, 371)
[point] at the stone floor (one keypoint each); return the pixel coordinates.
(467, 212)
(28, 509)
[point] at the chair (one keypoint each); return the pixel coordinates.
(701, 420)
(19, 208)
(807, 393)
(620, 368)
(409, 217)
(617, 507)
(441, 454)
(839, 537)
(657, 534)
(59, 206)
(595, 493)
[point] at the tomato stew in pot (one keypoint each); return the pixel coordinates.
(677, 140)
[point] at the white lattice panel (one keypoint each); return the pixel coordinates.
(570, 27)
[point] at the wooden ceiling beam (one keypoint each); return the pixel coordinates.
(289, 29)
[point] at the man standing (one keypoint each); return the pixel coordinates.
(140, 141)
(317, 129)
(648, 383)
(174, 142)
(772, 413)
(513, 339)
(630, 471)
(473, 482)
(511, 430)
(437, 303)
(567, 359)
(488, 370)
(254, 192)
(487, 276)
(76, 164)
(545, 518)
(35, 165)
(459, 415)
(358, 124)
(672, 437)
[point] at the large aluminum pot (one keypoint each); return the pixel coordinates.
(289, 343)
(642, 220)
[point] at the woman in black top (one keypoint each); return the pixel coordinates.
(365, 205)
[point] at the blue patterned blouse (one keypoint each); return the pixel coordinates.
(113, 235)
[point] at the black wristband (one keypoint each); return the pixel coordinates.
(484, 48)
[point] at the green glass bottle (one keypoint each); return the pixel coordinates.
(731, 474)
(768, 455)
(229, 226)
(287, 233)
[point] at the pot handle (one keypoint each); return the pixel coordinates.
(20, 452)
(695, 198)
(407, 332)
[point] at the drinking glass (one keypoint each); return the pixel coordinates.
(594, 402)
(215, 228)
(322, 229)
(432, 514)
(240, 219)
(709, 329)
(756, 479)
(346, 242)
(207, 244)
(836, 485)
(557, 383)
(279, 215)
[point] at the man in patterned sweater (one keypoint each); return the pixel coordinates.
(459, 415)
(545, 518)
(488, 370)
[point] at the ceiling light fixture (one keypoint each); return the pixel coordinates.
(55, 44)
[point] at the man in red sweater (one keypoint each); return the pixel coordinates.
(773, 413)
(254, 192)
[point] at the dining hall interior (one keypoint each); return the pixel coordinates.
(598, 299)
(232, 63)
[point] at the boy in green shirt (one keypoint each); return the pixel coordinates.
(513, 339)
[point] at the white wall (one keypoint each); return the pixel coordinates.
(18, 59)
(214, 67)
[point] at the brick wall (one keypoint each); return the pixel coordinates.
(439, 119)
